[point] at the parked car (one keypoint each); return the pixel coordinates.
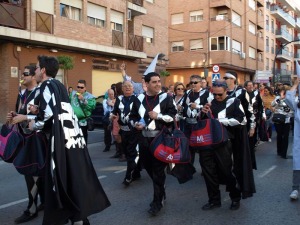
(98, 112)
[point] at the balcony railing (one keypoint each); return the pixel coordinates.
(117, 38)
(284, 34)
(285, 16)
(44, 22)
(135, 42)
(220, 18)
(137, 2)
(12, 15)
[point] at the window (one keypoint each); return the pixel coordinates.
(272, 46)
(236, 46)
(96, 15)
(236, 19)
(251, 52)
(219, 43)
(70, 12)
(177, 18)
(148, 33)
(116, 20)
(196, 44)
(259, 57)
(267, 63)
(196, 16)
(252, 27)
(267, 22)
(272, 26)
(260, 34)
(177, 46)
(252, 4)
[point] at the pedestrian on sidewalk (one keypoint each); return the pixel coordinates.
(293, 101)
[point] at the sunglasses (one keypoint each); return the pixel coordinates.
(80, 87)
(220, 95)
(194, 82)
(178, 89)
(26, 74)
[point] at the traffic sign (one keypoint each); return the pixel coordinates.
(215, 76)
(216, 68)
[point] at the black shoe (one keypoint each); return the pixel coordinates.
(106, 149)
(115, 156)
(40, 207)
(127, 182)
(25, 217)
(235, 205)
(154, 209)
(210, 206)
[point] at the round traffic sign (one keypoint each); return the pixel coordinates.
(216, 68)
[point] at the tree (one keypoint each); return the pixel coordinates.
(66, 63)
(164, 74)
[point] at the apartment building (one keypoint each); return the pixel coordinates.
(225, 33)
(98, 34)
(282, 38)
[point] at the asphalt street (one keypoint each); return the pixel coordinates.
(269, 206)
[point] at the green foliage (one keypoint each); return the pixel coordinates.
(164, 73)
(65, 62)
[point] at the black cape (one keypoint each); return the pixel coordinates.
(242, 165)
(72, 189)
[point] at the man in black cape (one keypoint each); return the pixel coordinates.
(72, 189)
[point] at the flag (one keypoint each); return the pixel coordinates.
(151, 67)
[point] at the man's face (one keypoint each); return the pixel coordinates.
(219, 93)
(111, 94)
(154, 85)
(229, 81)
(81, 88)
(171, 88)
(249, 87)
(38, 73)
(195, 84)
(204, 83)
(26, 77)
(127, 88)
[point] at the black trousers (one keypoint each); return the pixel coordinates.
(154, 168)
(283, 131)
(107, 135)
(187, 131)
(217, 168)
(129, 143)
(35, 187)
(85, 133)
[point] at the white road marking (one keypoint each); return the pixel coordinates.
(13, 203)
(101, 177)
(266, 172)
(120, 171)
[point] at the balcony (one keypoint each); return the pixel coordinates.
(220, 18)
(297, 57)
(283, 17)
(284, 55)
(288, 4)
(218, 3)
(283, 36)
(12, 16)
(44, 22)
(117, 38)
(297, 24)
(136, 8)
(135, 42)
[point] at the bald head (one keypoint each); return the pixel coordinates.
(111, 93)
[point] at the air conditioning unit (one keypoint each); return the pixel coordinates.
(129, 14)
(242, 55)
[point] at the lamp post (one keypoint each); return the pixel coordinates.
(277, 52)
